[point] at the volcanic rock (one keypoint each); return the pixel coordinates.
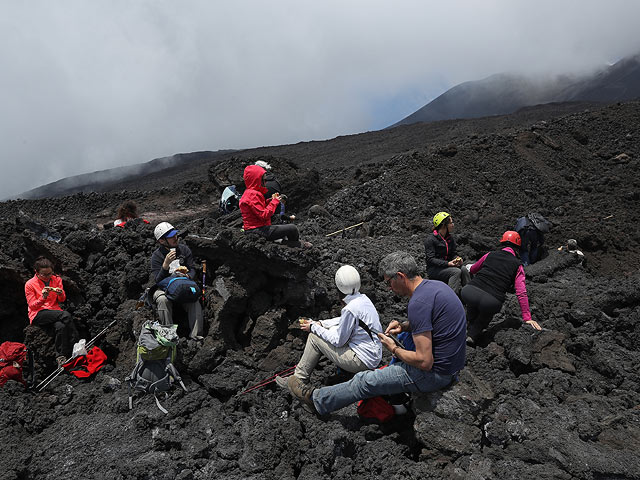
(557, 403)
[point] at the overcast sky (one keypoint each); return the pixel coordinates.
(90, 85)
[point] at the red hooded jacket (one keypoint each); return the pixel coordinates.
(256, 211)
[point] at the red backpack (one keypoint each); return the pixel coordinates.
(12, 358)
(376, 408)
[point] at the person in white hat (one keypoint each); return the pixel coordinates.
(173, 258)
(350, 340)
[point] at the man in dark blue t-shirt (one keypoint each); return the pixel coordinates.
(438, 327)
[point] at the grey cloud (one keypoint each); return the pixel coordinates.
(92, 85)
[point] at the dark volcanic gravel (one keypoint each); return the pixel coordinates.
(563, 403)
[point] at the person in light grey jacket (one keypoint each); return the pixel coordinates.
(349, 341)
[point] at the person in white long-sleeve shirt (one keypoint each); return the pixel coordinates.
(349, 341)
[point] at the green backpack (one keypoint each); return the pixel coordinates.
(154, 370)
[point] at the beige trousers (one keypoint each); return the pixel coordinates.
(165, 313)
(316, 347)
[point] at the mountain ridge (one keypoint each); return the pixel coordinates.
(505, 93)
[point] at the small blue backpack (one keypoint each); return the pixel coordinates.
(180, 289)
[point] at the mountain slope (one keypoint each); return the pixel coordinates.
(506, 93)
(559, 403)
(104, 179)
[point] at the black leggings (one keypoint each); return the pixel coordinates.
(274, 232)
(481, 307)
(65, 330)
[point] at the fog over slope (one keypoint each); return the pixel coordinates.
(505, 93)
(90, 86)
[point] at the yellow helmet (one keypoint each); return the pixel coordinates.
(438, 218)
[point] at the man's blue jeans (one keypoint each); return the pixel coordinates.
(393, 379)
(529, 249)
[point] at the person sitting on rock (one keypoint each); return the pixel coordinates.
(438, 326)
(127, 211)
(494, 274)
(347, 341)
(257, 211)
(174, 259)
(531, 229)
(272, 185)
(572, 248)
(44, 294)
(440, 249)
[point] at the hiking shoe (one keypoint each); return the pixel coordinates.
(61, 360)
(302, 391)
(197, 338)
(282, 382)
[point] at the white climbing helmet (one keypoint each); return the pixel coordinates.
(348, 280)
(263, 164)
(162, 229)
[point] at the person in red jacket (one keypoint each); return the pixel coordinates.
(257, 211)
(44, 294)
(494, 274)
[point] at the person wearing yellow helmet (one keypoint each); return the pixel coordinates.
(443, 263)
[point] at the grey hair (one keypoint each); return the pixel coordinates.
(263, 164)
(398, 262)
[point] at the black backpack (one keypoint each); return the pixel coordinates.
(542, 224)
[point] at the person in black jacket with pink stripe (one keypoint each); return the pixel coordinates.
(495, 274)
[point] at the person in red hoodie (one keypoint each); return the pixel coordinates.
(44, 294)
(257, 211)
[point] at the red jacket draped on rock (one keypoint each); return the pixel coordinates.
(35, 300)
(256, 211)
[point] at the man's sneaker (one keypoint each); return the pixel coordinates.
(282, 382)
(302, 391)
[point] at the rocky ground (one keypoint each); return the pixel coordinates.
(561, 403)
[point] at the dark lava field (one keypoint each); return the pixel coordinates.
(561, 403)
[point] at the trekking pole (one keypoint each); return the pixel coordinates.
(344, 229)
(269, 380)
(204, 277)
(52, 376)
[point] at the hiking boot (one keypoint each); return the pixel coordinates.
(282, 382)
(474, 332)
(61, 360)
(302, 391)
